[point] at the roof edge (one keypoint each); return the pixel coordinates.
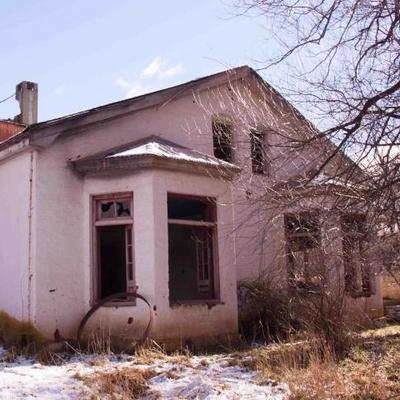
(242, 70)
(129, 164)
(82, 119)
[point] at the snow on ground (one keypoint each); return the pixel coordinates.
(198, 377)
(212, 377)
(24, 379)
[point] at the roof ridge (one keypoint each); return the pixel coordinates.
(136, 98)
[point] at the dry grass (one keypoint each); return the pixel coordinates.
(370, 371)
(153, 351)
(20, 335)
(121, 383)
(147, 355)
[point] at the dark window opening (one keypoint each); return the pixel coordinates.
(114, 267)
(304, 255)
(191, 240)
(112, 262)
(193, 209)
(222, 139)
(258, 156)
(356, 272)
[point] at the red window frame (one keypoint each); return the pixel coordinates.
(258, 151)
(357, 276)
(222, 133)
(306, 240)
(207, 271)
(98, 221)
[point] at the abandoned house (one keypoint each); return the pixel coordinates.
(156, 195)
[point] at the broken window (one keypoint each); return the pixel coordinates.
(222, 140)
(114, 245)
(192, 245)
(356, 271)
(258, 156)
(304, 250)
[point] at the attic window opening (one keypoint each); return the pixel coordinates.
(113, 245)
(258, 155)
(192, 249)
(303, 240)
(222, 140)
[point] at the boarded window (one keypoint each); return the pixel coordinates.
(258, 156)
(222, 140)
(356, 271)
(114, 266)
(192, 242)
(304, 250)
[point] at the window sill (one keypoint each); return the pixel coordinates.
(116, 304)
(208, 303)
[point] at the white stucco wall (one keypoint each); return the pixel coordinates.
(15, 257)
(64, 293)
(151, 259)
(62, 211)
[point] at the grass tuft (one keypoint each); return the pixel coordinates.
(370, 371)
(20, 335)
(120, 383)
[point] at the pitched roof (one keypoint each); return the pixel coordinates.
(154, 152)
(117, 109)
(45, 133)
(161, 148)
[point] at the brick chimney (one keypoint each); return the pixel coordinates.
(26, 94)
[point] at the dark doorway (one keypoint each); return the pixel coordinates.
(112, 259)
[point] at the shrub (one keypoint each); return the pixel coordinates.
(263, 313)
(271, 312)
(20, 334)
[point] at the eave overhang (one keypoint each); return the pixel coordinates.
(128, 164)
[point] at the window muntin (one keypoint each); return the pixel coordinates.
(356, 272)
(303, 238)
(113, 208)
(113, 244)
(222, 140)
(192, 246)
(258, 153)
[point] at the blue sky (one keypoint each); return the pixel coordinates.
(84, 53)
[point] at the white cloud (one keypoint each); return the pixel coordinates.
(159, 69)
(153, 68)
(132, 89)
(59, 90)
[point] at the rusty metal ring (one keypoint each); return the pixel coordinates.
(94, 308)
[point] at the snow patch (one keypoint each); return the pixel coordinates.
(169, 151)
(212, 377)
(198, 377)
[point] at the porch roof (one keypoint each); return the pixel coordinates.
(155, 153)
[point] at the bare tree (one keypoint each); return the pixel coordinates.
(343, 57)
(346, 54)
(335, 184)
